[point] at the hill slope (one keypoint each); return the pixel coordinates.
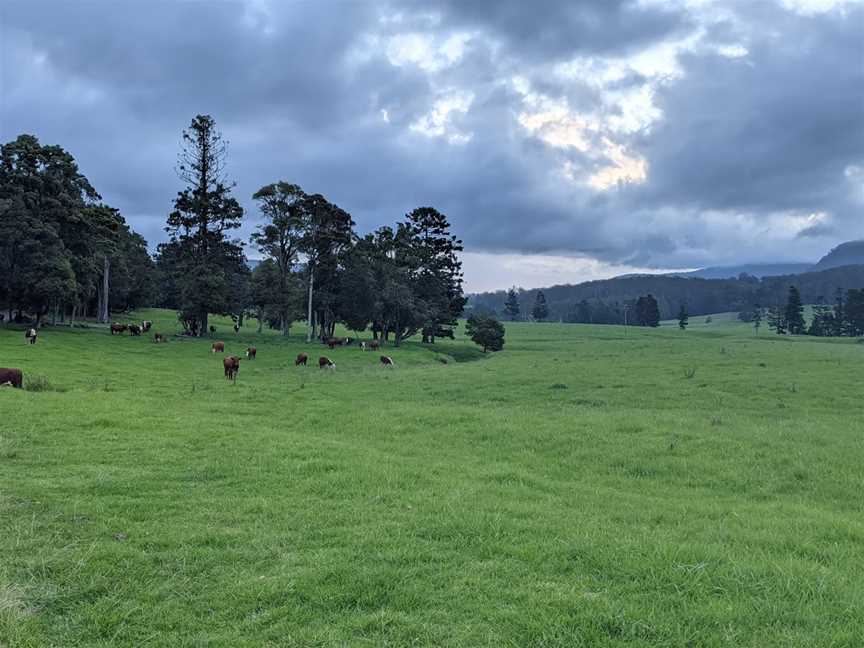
(849, 253)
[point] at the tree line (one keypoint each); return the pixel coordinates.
(398, 281)
(59, 243)
(63, 251)
(605, 301)
(845, 317)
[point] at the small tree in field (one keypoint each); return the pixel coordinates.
(540, 311)
(485, 331)
(757, 318)
(683, 317)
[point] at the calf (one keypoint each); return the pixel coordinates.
(12, 377)
(134, 329)
(145, 326)
(326, 363)
(30, 336)
(302, 358)
(250, 352)
(387, 361)
(231, 364)
(217, 347)
(158, 337)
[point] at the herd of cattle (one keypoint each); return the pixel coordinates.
(230, 364)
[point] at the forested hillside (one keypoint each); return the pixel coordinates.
(603, 302)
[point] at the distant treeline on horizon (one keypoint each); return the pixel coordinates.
(603, 301)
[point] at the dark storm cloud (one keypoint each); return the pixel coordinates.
(551, 29)
(771, 130)
(314, 93)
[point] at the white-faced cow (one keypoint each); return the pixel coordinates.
(217, 347)
(145, 326)
(135, 330)
(158, 337)
(251, 352)
(11, 377)
(387, 361)
(326, 363)
(30, 336)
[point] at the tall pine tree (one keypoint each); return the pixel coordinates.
(540, 311)
(794, 314)
(206, 261)
(511, 306)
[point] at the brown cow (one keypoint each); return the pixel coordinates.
(118, 328)
(218, 347)
(374, 345)
(134, 329)
(387, 361)
(250, 352)
(334, 342)
(158, 337)
(12, 377)
(326, 363)
(302, 358)
(145, 326)
(231, 365)
(30, 336)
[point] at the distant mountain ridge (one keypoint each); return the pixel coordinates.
(848, 253)
(753, 269)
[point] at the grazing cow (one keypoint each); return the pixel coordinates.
(118, 328)
(231, 364)
(218, 347)
(302, 358)
(387, 361)
(250, 352)
(134, 329)
(145, 326)
(30, 336)
(12, 377)
(374, 345)
(326, 363)
(158, 337)
(334, 342)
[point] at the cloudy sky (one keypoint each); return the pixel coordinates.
(565, 140)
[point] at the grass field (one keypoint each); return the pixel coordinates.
(585, 487)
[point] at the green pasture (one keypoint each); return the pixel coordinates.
(587, 486)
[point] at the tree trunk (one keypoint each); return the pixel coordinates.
(283, 325)
(103, 302)
(204, 329)
(309, 324)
